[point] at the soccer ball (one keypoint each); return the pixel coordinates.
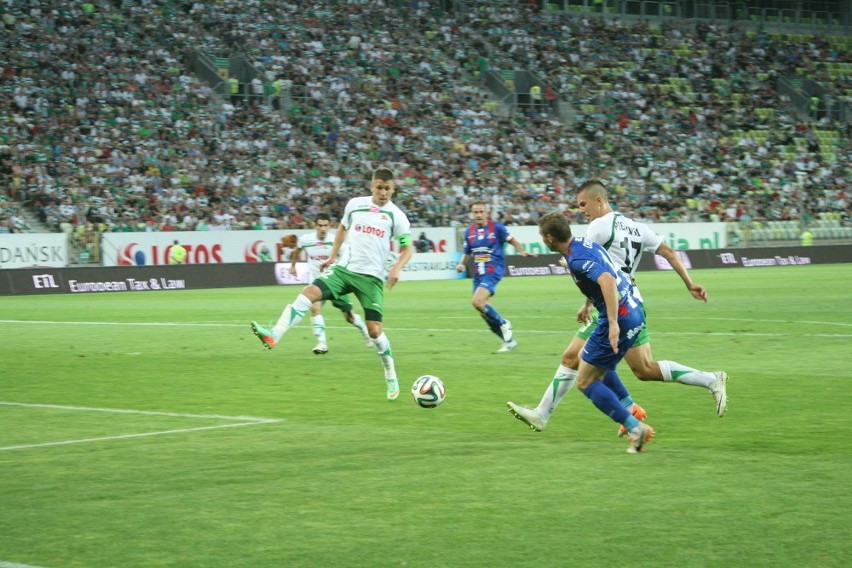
(428, 391)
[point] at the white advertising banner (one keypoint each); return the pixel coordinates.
(206, 247)
(214, 247)
(33, 250)
(432, 266)
(679, 236)
(202, 247)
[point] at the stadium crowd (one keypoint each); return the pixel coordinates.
(106, 129)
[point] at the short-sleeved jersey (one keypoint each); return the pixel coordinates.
(484, 245)
(624, 240)
(316, 250)
(587, 260)
(370, 230)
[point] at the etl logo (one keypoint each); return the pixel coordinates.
(44, 281)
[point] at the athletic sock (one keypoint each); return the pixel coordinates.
(492, 320)
(563, 381)
(318, 328)
(292, 315)
(384, 349)
(685, 375)
(359, 323)
(606, 401)
(613, 382)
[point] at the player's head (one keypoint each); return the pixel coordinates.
(323, 223)
(593, 199)
(383, 185)
(555, 231)
(289, 241)
(479, 212)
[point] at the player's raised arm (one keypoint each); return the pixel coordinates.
(698, 291)
(519, 247)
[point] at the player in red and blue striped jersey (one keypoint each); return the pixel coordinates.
(483, 245)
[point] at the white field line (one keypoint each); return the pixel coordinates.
(239, 421)
(568, 330)
(13, 565)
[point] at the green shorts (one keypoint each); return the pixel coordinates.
(337, 281)
(343, 304)
(587, 328)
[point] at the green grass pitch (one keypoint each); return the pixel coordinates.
(152, 429)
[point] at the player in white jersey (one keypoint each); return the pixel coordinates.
(625, 240)
(315, 248)
(368, 226)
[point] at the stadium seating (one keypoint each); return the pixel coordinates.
(412, 103)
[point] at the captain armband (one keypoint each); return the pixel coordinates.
(404, 240)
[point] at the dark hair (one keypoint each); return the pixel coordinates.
(595, 188)
(555, 224)
(323, 217)
(383, 173)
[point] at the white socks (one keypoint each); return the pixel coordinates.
(318, 328)
(685, 375)
(562, 383)
(359, 323)
(383, 347)
(292, 315)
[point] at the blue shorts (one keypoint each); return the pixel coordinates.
(487, 281)
(598, 351)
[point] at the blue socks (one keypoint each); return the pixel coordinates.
(493, 319)
(611, 380)
(607, 402)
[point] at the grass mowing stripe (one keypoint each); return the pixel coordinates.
(359, 482)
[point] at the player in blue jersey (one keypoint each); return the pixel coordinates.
(621, 319)
(625, 240)
(483, 244)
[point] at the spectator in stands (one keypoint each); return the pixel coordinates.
(424, 243)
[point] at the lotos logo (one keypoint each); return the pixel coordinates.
(252, 251)
(368, 230)
(128, 257)
(133, 255)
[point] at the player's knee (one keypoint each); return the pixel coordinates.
(643, 371)
(571, 359)
(374, 329)
(478, 304)
(571, 355)
(313, 293)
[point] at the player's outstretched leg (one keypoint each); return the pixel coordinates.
(715, 382)
(528, 416)
(265, 335)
